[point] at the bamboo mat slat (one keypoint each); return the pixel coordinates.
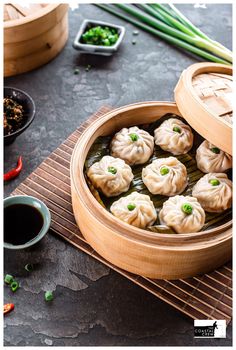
(202, 297)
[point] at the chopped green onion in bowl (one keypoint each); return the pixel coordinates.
(100, 36)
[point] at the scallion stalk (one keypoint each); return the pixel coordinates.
(194, 40)
(172, 21)
(164, 36)
(196, 30)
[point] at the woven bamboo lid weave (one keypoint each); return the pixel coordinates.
(17, 11)
(204, 97)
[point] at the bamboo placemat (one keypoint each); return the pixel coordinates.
(203, 297)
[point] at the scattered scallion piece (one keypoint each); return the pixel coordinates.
(214, 182)
(187, 208)
(133, 42)
(164, 170)
(215, 150)
(112, 170)
(88, 68)
(48, 296)
(76, 71)
(134, 137)
(29, 267)
(177, 129)
(8, 279)
(14, 286)
(135, 32)
(131, 206)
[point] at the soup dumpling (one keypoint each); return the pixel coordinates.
(183, 214)
(211, 159)
(166, 176)
(110, 175)
(174, 136)
(214, 192)
(133, 145)
(135, 209)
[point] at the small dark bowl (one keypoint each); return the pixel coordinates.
(28, 105)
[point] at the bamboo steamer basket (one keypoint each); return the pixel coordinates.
(33, 35)
(139, 251)
(204, 97)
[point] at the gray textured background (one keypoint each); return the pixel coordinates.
(94, 305)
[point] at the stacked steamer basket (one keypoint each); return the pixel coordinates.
(158, 255)
(33, 35)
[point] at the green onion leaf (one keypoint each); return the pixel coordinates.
(164, 170)
(131, 206)
(214, 182)
(134, 137)
(177, 129)
(215, 150)
(187, 208)
(112, 170)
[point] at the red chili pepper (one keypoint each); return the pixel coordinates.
(14, 172)
(8, 308)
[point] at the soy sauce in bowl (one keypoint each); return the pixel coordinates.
(22, 223)
(26, 221)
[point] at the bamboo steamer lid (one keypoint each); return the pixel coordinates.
(33, 35)
(204, 97)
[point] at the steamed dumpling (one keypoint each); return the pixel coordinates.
(135, 209)
(211, 159)
(166, 176)
(183, 214)
(133, 145)
(111, 175)
(214, 192)
(174, 136)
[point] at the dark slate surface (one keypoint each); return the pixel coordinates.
(94, 305)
